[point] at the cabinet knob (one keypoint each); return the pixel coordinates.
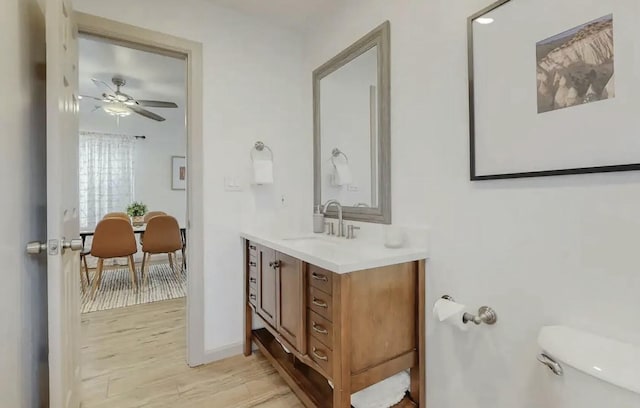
(252, 296)
(252, 280)
(252, 247)
(252, 263)
(274, 265)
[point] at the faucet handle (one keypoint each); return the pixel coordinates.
(351, 229)
(329, 228)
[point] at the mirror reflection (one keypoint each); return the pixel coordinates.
(349, 134)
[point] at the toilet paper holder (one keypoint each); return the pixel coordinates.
(485, 314)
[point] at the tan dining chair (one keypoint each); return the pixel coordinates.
(162, 236)
(113, 238)
(152, 214)
(147, 217)
(122, 215)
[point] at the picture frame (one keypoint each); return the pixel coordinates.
(531, 116)
(178, 173)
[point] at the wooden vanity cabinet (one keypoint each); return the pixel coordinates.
(353, 330)
(280, 293)
(290, 299)
(266, 285)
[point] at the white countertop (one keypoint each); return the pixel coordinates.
(338, 255)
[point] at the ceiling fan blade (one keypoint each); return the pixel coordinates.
(103, 86)
(91, 97)
(156, 104)
(146, 113)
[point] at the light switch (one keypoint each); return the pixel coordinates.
(231, 184)
(353, 188)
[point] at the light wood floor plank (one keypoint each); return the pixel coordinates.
(135, 357)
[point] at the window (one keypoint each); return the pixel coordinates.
(106, 175)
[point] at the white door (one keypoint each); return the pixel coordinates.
(63, 264)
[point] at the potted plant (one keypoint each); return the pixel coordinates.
(136, 211)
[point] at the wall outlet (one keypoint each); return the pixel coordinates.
(231, 184)
(353, 188)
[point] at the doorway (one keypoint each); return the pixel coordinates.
(191, 53)
(132, 165)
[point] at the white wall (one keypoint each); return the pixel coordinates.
(253, 77)
(559, 250)
(23, 292)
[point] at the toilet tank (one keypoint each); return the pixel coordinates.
(598, 372)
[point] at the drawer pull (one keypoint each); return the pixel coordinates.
(252, 263)
(252, 296)
(320, 303)
(252, 247)
(318, 329)
(319, 277)
(252, 280)
(319, 356)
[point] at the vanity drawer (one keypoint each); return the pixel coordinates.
(253, 262)
(320, 303)
(253, 295)
(253, 277)
(321, 355)
(320, 328)
(253, 250)
(320, 278)
(253, 271)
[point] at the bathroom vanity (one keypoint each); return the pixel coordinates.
(339, 316)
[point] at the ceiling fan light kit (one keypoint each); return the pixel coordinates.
(120, 105)
(117, 109)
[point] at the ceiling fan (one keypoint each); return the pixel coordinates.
(117, 103)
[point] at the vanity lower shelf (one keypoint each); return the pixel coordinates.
(302, 379)
(353, 329)
(298, 376)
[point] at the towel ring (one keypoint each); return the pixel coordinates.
(259, 146)
(337, 152)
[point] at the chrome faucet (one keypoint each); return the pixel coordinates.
(326, 206)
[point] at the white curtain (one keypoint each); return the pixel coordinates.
(106, 175)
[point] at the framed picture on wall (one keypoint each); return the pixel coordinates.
(553, 93)
(178, 173)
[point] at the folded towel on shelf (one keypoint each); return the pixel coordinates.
(384, 394)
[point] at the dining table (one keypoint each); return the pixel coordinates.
(137, 230)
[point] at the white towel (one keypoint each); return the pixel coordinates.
(384, 394)
(263, 172)
(342, 175)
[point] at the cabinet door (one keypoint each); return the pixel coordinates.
(291, 305)
(267, 300)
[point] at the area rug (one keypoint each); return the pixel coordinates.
(116, 291)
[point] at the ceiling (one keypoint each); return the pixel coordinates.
(148, 76)
(292, 13)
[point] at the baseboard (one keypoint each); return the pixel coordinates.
(221, 353)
